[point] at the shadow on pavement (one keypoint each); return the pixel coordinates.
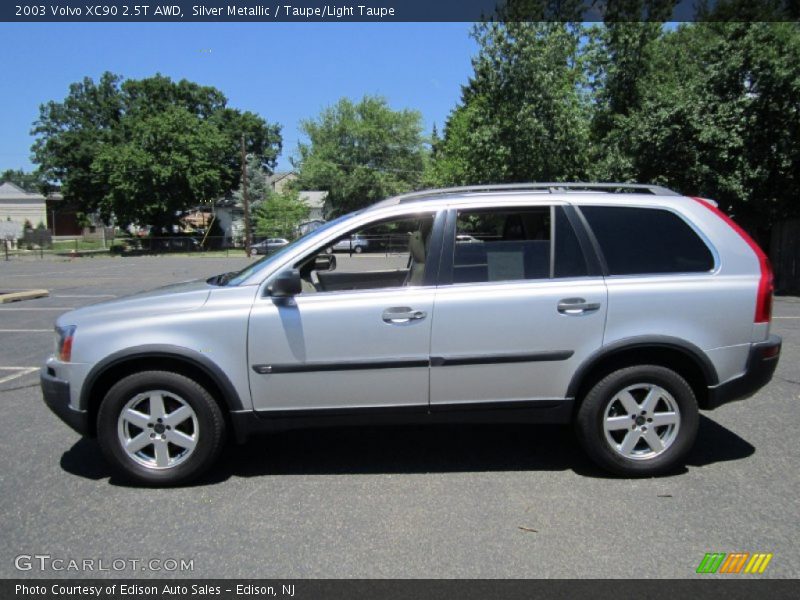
(716, 443)
(407, 449)
(85, 460)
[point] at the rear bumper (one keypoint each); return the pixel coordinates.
(761, 365)
(56, 396)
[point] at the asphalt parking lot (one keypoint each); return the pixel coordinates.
(465, 501)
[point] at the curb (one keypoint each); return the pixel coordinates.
(23, 295)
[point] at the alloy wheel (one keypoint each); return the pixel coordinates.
(641, 421)
(158, 429)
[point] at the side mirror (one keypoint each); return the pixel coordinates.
(325, 262)
(285, 284)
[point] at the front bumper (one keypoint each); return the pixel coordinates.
(761, 365)
(56, 396)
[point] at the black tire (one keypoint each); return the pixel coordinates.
(590, 422)
(207, 427)
(358, 249)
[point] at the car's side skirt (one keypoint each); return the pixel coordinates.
(559, 410)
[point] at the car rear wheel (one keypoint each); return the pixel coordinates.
(358, 249)
(160, 428)
(639, 421)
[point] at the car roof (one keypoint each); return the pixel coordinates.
(498, 192)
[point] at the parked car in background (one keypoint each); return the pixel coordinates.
(269, 245)
(463, 238)
(622, 309)
(171, 244)
(353, 243)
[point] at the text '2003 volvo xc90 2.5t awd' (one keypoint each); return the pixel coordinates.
(621, 308)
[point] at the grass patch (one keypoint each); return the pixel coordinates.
(67, 245)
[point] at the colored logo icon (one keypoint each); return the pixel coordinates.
(734, 563)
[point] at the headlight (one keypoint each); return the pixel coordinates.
(64, 342)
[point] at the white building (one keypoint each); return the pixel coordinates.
(18, 206)
(315, 201)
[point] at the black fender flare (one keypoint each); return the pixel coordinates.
(150, 351)
(690, 350)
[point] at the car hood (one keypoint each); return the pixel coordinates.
(178, 297)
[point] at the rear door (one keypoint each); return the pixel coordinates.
(520, 305)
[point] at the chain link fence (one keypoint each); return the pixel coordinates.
(385, 244)
(133, 246)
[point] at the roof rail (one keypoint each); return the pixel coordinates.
(552, 188)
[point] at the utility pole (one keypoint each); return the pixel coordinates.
(246, 200)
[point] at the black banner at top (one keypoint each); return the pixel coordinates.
(187, 11)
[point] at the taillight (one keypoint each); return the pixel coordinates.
(766, 284)
(64, 342)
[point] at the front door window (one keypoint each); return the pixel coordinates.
(389, 254)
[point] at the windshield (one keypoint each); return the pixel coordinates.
(238, 277)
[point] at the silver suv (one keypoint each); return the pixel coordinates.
(620, 308)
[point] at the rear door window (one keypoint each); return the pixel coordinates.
(640, 241)
(515, 244)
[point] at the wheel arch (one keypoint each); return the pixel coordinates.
(157, 358)
(683, 357)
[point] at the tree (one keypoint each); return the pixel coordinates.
(457, 158)
(709, 108)
(361, 152)
(619, 63)
(30, 182)
(719, 118)
(168, 162)
(144, 150)
(279, 214)
(524, 115)
(257, 183)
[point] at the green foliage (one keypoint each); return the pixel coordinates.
(82, 219)
(30, 182)
(257, 183)
(524, 113)
(279, 214)
(143, 150)
(168, 161)
(709, 108)
(619, 61)
(360, 153)
(718, 117)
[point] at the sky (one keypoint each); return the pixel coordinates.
(285, 72)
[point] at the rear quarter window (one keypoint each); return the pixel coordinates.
(638, 241)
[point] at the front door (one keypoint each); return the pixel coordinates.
(358, 336)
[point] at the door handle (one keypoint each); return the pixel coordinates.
(576, 306)
(403, 314)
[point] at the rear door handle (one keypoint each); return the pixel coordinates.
(403, 314)
(576, 306)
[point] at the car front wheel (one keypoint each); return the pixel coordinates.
(639, 421)
(160, 428)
